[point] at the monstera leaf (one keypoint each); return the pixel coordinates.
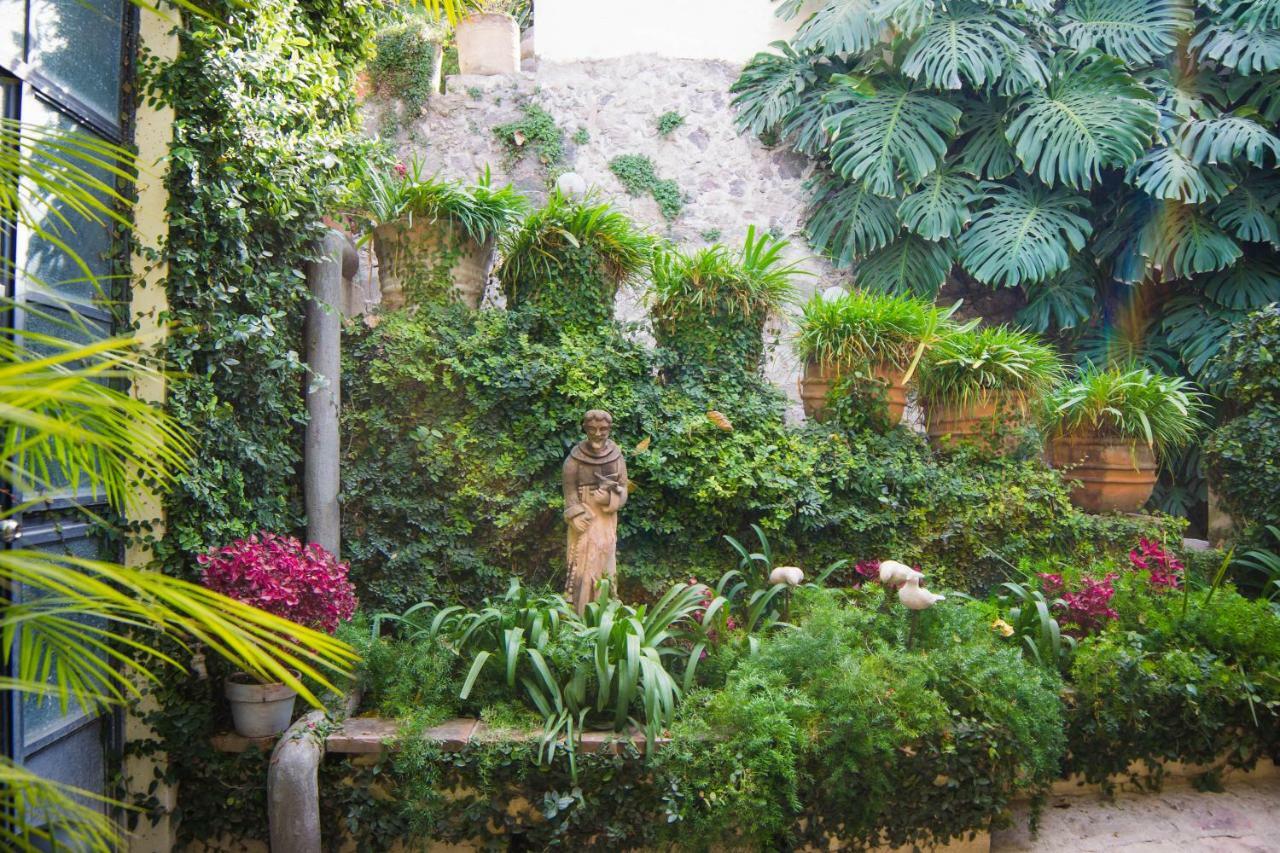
(770, 86)
(1197, 328)
(1025, 234)
(804, 128)
(1180, 241)
(1249, 285)
(1259, 93)
(984, 150)
(1243, 50)
(1166, 173)
(1093, 114)
(1226, 139)
(964, 43)
(1137, 32)
(848, 221)
(1251, 15)
(1025, 68)
(907, 16)
(1251, 210)
(908, 265)
(842, 26)
(893, 134)
(941, 206)
(1064, 301)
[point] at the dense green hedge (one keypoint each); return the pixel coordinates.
(456, 424)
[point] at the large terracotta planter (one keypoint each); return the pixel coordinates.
(1116, 475)
(974, 423)
(818, 378)
(412, 259)
(488, 43)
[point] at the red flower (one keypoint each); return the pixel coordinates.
(1164, 567)
(401, 170)
(865, 570)
(280, 575)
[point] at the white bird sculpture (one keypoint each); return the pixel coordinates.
(913, 597)
(894, 574)
(789, 575)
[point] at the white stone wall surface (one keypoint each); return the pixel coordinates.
(729, 180)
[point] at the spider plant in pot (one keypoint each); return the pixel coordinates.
(876, 335)
(435, 240)
(278, 574)
(1108, 428)
(709, 308)
(975, 381)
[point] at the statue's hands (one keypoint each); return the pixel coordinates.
(580, 523)
(601, 495)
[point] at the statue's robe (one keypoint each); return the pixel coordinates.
(595, 485)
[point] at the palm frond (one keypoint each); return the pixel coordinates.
(41, 814)
(1137, 32)
(1092, 115)
(1023, 233)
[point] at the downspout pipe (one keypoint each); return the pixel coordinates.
(336, 261)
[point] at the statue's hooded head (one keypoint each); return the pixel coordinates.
(597, 424)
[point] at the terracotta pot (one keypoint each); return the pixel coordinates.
(1115, 474)
(977, 422)
(257, 709)
(488, 43)
(817, 380)
(407, 251)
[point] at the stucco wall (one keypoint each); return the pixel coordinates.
(731, 30)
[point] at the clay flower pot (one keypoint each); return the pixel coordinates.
(818, 378)
(977, 422)
(1115, 474)
(488, 43)
(411, 256)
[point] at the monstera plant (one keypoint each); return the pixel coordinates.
(1113, 160)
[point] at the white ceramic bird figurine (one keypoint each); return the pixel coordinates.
(790, 575)
(913, 597)
(894, 574)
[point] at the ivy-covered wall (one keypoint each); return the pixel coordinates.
(262, 92)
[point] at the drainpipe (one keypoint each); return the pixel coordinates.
(337, 262)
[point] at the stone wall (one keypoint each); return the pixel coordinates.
(728, 180)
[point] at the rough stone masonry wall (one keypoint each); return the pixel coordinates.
(728, 180)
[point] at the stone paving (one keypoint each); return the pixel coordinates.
(1246, 817)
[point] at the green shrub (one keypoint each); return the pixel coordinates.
(668, 122)
(538, 132)
(860, 327)
(637, 175)
(404, 63)
(1243, 454)
(995, 365)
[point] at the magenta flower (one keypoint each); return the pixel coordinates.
(278, 574)
(866, 570)
(1163, 567)
(401, 170)
(1089, 609)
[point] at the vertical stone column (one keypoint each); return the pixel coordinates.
(325, 276)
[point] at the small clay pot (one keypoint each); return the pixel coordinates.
(1115, 474)
(818, 378)
(978, 422)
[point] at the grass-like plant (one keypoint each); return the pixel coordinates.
(993, 365)
(1132, 403)
(540, 250)
(752, 282)
(386, 194)
(861, 327)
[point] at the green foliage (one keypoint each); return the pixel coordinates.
(403, 64)
(636, 174)
(1134, 403)
(581, 136)
(1160, 685)
(536, 132)
(996, 364)
(861, 327)
(1244, 453)
(1101, 156)
(381, 194)
(668, 122)
(567, 260)
(710, 307)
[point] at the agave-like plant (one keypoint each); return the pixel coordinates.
(990, 365)
(1073, 149)
(1132, 403)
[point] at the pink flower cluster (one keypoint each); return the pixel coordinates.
(1164, 567)
(1087, 609)
(278, 574)
(866, 570)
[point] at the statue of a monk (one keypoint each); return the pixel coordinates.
(595, 488)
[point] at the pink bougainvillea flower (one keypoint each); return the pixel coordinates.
(278, 574)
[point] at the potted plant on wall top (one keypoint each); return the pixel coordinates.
(434, 239)
(278, 574)
(1109, 427)
(975, 380)
(488, 39)
(882, 335)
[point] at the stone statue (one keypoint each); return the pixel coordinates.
(595, 488)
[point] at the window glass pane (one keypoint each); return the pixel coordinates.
(42, 716)
(76, 44)
(47, 266)
(13, 31)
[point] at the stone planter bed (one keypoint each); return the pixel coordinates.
(294, 797)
